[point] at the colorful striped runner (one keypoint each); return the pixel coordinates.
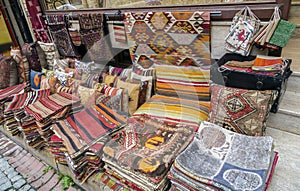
(43, 109)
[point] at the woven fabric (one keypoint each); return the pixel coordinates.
(176, 110)
(9, 72)
(23, 67)
(21, 100)
(184, 34)
(133, 93)
(117, 34)
(9, 92)
(96, 45)
(88, 96)
(86, 67)
(226, 160)
(36, 79)
(63, 41)
(240, 110)
(183, 82)
(123, 93)
(49, 83)
(147, 147)
(91, 124)
(51, 105)
(37, 21)
(30, 51)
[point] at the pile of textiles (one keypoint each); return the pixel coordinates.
(30, 132)
(42, 113)
(83, 135)
(14, 109)
(6, 95)
(176, 110)
(140, 156)
(58, 149)
(219, 159)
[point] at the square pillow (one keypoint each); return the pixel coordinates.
(77, 72)
(89, 80)
(60, 64)
(35, 79)
(240, 110)
(88, 96)
(113, 102)
(111, 91)
(108, 79)
(49, 83)
(84, 66)
(63, 76)
(133, 93)
(187, 82)
(48, 73)
(122, 72)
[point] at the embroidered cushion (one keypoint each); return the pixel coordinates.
(9, 72)
(88, 96)
(108, 79)
(62, 76)
(77, 72)
(48, 73)
(49, 83)
(240, 110)
(89, 80)
(35, 79)
(184, 82)
(84, 66)
(111, 91)
(133, 93)
(122, 72)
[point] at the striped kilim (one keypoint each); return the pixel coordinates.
(43, 109)
(21, 100)
(84, 134)
(176, 110)
(10, 91)
(183, 82)
(81, 129)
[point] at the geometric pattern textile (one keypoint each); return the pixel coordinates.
(38, 23)
(181, 34)
(147, 147)
(84, 128)
(240, 110)
(225, 159)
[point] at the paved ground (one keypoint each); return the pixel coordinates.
(20, 170)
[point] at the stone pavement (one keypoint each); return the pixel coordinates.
(20, 170)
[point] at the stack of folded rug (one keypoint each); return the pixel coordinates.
(141, 155)
(16, 106)
(219, 159)
(49, 109)
(84, 135)
(6, 95)
(58, 149)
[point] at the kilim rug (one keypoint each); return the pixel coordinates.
(38, 23)
(226, 160)
(146, 148)
(9, 92)
(180, 34)
(21, 100)
(176, 110)
(117, 34)
(80, 130)
(43, 109)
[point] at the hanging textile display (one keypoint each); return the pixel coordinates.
(60, 34)
(172, 36)
(38, 23)
(91, 30)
